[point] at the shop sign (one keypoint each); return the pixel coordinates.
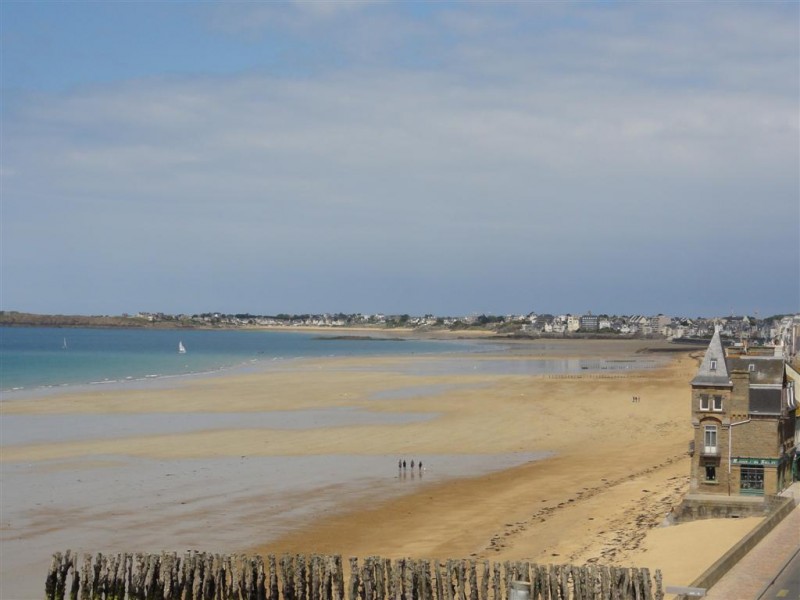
(774, 462)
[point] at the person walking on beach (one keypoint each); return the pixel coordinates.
(400, 464)
(420, 466)
(404, 464)
(412, 463)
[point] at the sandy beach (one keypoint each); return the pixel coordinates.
(549, 468)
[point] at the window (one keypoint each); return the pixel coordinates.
(704, 404)
(752, 480)
(710, 439)
(751, 367)
(713, 364)
(711, 472)
(718, 403)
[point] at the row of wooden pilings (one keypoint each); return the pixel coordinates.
(202, 576)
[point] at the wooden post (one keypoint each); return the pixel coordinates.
(197, 577)
(300, 577)
(109, 575)
(52, 577)
(438, 584)
(97, 589)
(123, 576)
(381, 578)
(331, 591)
(573, 577)
(621, 581)
(647, 584)
(340, 577)
(313, 577)
(261, 579)
(127, 575)
(366, 579)
(354, 579)
(274, 591)
(63, 572)
(565, 571)
(408, 579)
(76, 579)
(286, 584)
(484, 592)
(250, 580)
(507, 579)
(605, 582)
(430, 592)
(448, 580)
(186, 576)
(462, 580)
(136, 578)
(552, 581)
(86, 578)
(496, 581)
(162, 577)
(544, 575)
(388, 592)
(148, 574)
(473, 581)
(659, 589)
(397, 581)
(209, 581)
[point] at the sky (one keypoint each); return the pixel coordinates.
(416, 157)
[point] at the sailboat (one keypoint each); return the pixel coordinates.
(64, 346)
(181, 348)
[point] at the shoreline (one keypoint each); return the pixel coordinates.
(482, 349)
(614, 466)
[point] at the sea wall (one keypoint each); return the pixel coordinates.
(781, 508)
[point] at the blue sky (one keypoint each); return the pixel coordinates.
(413, 157)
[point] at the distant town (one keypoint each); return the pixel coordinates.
(753, 329)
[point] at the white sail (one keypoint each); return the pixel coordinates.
(181, 348)
(64, 347)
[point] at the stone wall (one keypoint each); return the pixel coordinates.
(758, 439)
(695, 507)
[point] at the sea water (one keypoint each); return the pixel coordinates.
(41, 357)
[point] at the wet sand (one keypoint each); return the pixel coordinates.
(315, 469)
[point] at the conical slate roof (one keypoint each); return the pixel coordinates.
(713, 370)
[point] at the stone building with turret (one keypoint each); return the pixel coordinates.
(743, 415)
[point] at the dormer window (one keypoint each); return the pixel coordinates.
(751, 367)
(713, 364)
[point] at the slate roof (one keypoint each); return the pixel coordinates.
(767, 370)
(719, 375)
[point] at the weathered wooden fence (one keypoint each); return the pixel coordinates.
(201, 576)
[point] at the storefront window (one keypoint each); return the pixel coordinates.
(752, 480)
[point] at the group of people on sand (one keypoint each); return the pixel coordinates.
(401, 464)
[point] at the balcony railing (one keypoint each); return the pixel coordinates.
(709, 451)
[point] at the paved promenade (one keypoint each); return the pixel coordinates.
(751, 575)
